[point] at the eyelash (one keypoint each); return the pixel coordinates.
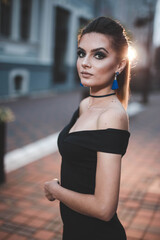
(102, 55)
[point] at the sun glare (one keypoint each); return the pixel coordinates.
(132, 53)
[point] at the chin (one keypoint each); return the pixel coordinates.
(86, 84)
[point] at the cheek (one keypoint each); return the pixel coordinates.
(105, 67)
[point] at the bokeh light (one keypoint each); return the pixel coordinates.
(132, 53)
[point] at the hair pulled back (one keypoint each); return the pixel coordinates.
(119, 43)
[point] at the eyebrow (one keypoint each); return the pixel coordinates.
(96, 49)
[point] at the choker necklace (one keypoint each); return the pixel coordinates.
(102, 95)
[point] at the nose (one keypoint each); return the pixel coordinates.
(86, 62)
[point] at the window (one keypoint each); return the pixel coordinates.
(5, 17)
(15, 19)
(25, 17)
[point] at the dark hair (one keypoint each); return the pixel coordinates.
(120, 44)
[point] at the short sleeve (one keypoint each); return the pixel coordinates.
(109, 140)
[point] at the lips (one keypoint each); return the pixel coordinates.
(86, 73)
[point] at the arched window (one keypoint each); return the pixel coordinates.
(18, 82)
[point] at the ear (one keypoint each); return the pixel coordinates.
(121, 65)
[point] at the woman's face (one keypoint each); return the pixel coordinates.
(97, 61)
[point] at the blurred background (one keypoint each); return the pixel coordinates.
(39, 91)
(39, 38)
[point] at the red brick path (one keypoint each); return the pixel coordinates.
(26, 214)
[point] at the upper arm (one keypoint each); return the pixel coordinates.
(108, 170)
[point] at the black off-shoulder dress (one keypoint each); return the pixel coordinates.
(78, 171)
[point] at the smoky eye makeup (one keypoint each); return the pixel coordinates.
(100, 55)
(80, 53)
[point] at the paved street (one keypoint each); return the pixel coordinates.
(38, 117)
(26, 214)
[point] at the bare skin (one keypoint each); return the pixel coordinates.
(96, 113)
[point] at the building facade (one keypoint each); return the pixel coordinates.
(38, 45)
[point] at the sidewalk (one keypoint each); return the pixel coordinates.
(26, 214)
(39, 117)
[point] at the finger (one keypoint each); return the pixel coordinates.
(46, 190)
(49, 195)
(50, 198)
(56, 179)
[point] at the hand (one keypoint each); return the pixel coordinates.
(48, 195)
(49, 189)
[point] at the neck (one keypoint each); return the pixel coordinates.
(101, 91)
(98, 100)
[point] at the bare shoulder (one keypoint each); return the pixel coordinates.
(115, 117)
(83, 105)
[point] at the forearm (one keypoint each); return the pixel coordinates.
(86, 204)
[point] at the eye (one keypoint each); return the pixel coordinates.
(80, 53)
(100, 55)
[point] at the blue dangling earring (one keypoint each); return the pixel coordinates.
(115, 83)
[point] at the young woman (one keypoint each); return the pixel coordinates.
(96, 138)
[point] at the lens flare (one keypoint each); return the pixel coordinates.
(132, 53)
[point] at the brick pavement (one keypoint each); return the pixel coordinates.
(38, 117)
(26, 214)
